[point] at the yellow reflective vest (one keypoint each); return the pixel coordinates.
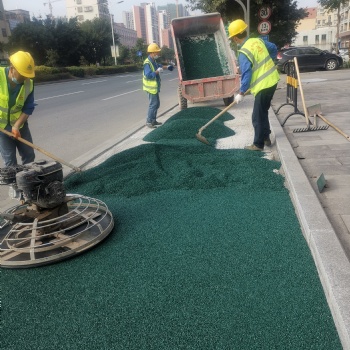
(7, 115)
(264, 72)
(149, 85)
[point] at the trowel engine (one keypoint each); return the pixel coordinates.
(38, 184)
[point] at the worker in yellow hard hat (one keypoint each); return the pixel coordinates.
(151, 82)
(16, 84)
(259, 75)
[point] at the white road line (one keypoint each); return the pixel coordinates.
(47, 98)
(94, 82)
(173, 79)
(130, 92)
(131, 81)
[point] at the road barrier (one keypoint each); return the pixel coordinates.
(292, 92)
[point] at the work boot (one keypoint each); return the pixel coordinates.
(151, 125)
(157, 123)
(253, 148)
(267, 142)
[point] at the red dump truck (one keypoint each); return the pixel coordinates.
(206, 63)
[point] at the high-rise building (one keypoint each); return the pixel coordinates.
(4, 25)
(127, 37)
(87, 9)
(140, 22)
(151, 17)
(174, 11)
(128, 19)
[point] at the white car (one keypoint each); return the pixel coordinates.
(344, 54)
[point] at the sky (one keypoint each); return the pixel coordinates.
(37, 7)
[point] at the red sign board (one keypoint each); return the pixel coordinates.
(265, 12)
(264, 27)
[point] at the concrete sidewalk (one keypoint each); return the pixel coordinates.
(304, 156)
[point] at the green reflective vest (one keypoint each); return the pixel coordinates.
(264, 72)
(149, 85)
(7, 115)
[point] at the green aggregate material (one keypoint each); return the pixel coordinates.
(202, 57)
(206, 253)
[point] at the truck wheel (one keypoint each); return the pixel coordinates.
(182, 100)
(228, 100)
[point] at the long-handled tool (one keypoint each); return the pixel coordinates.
(40, 150)
(199, 135)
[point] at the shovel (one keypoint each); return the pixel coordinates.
(199, 135)
(40, 150)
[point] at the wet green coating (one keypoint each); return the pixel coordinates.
(203, 56)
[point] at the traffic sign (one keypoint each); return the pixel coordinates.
(265, 12)
(264, 27)
(139, 53)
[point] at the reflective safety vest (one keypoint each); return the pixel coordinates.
(264, 72)
(7, 115)
(150, 85)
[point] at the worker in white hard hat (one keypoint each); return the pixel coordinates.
(17, 85)
(151, 83)
(259, 75)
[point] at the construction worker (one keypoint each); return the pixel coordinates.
(151, 83)
(16, 106)
(258, 73)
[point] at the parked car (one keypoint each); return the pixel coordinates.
(309, 57)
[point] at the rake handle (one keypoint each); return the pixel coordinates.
(334, 127)
(40, 150)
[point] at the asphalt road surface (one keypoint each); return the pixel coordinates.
(74, 117)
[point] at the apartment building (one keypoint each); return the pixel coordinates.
(5, 28)
(319, 29)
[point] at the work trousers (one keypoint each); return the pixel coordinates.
(9, 145)
(260, 116)
(154, 104)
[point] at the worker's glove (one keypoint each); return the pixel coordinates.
(170, 67)
(239, 98)
(160, 70)
(15, 132)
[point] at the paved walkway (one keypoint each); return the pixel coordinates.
(324, 217)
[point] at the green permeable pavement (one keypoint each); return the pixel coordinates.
(206, 253)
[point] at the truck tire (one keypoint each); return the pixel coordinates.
(228, 100)
(182, 100)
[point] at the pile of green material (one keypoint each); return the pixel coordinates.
(206, 253)
(203, 57)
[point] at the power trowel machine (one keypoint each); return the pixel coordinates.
(47, 225)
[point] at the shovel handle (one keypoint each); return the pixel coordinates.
(40, 150)
(220, 114)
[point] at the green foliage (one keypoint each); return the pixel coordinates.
(167, 54)
(332, 5)
(284, 19)
(52, 58)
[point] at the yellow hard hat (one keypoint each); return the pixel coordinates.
(23, 63)
(236, 27)
(153, 48)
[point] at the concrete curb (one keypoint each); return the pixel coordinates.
(330, 259)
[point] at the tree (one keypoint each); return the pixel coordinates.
(284, 19)
(97, 40)
(334, 5)
(167, 54)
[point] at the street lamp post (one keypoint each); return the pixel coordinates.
(113, 41)
(246, 11)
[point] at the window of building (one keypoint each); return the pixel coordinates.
(80, 18)
(319, 22)
(79, 2)
(317, 39)
(323, 38)
(80, 9)
(4, 32)
(88, 9)
(305, 38)
(1, 15)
